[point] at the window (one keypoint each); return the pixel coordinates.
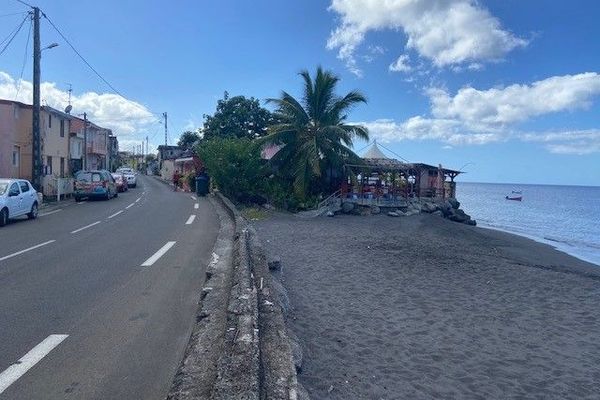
(14, 188)
(24, 186)
(62, 167)
(49, 165)
(49, 121)
(16, 156)
(62, 128)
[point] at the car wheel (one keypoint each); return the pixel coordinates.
(107, 196)
(3, 217)
(77, 199)
(33, 214)
(117, 194)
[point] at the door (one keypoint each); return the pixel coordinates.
(14, 201)
(28, 195)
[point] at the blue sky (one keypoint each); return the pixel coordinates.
(510, 88)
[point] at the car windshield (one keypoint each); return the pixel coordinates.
(3, 187)
(84, 177)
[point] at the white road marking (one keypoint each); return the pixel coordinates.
(85, 227)
(49, 213)
(115, 214)
(194, 198)
(158, 254)
(26, 250)
(129, 206)
(196, 206)
(190, 219)
(35, 355)
(138, 199)
(80, 202)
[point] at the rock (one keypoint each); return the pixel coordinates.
(413, 212)
(438, 213)
(393, 214)
(454, 203)
(375, 210)
(275, 263)
(402, 203)
(330, 214)
(428, 207)
(296, 354)
(302, 393)
(458, 216)
(347, 207)
(471, 222)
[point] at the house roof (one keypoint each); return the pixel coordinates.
(374, 153)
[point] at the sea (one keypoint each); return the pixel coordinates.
(565, 217)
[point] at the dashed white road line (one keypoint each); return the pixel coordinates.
(80, 202)
(87, 226)
(49, 213)
(158, 254)
(190, 219)
(138, 199)
(129, 206)
(115, 214)
(196, 206)
(25, 363)
(25, 251)
(194, 198)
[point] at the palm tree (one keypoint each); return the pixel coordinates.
(313, 133)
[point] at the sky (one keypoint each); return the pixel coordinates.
(505, 90)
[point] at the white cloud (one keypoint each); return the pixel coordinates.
(123, 116)
(497, 107)
(475, 117)
(401, 64)
(447, 32)
(578, 142)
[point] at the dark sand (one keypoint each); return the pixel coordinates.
(424, 308)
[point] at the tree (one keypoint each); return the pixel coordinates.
(188, 139)
(313, 132)
(150, 158)
(237, 117)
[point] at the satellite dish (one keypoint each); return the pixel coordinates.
(68, 109)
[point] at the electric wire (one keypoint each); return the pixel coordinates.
(24, 61)
(26, 4)
(80, 56)
(11, 36)
(13, 14)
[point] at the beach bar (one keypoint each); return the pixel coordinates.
(383, 181)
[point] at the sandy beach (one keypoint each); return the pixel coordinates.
(424, 308)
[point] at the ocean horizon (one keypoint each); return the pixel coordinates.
(565, 217)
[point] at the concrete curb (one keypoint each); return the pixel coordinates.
(197, 373)
(239, 348)
(276, 371)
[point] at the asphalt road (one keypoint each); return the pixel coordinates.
(98, 311)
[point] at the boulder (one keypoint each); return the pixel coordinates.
(438, 213)
(330, 213)
(347, 207)
(275, 263)
(458, 216)
(454, 203)
(402, 203)
(375, 210)
(393, 214)
(471, 222)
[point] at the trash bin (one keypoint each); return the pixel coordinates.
(202, 183)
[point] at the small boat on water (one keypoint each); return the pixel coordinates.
(515, 198)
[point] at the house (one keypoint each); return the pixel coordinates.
(96, 154)
(16, 139)
(387, 181)
(168, 153)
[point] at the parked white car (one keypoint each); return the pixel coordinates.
(130, 175)
(17, 197)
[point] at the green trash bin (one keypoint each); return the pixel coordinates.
(202, 185)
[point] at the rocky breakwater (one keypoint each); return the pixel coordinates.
(449, 209)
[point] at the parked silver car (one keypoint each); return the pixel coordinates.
(17, 197)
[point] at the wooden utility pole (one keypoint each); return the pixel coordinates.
(165, 115)
(36, 142)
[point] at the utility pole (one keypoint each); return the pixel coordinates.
(165, 115)
(36, 142)
(85, 158)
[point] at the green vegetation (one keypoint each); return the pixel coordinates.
(188, 140)
(312, 136)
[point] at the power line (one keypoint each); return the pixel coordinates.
(11, 36)
(80, 56)
(22, 2)
(24, 61)
(13, 14)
